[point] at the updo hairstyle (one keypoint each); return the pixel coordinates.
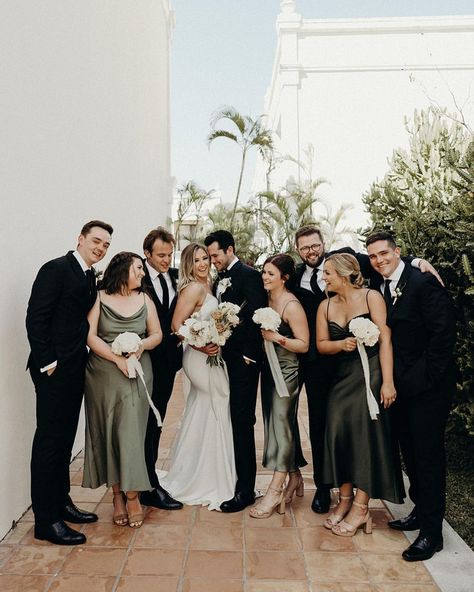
(285, 265)
(347, 266)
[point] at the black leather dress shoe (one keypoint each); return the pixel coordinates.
(410, 522)
(238, 503)
(423, 548)
(71, 513)
(321, 500)
(59, 533)
(159, 498)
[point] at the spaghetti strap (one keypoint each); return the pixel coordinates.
(284, 308)
(367, 298)
(98, 294)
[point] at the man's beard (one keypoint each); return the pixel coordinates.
(318, 261)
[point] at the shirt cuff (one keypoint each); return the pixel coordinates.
(49, 366)
(248, 359)
(416, 262)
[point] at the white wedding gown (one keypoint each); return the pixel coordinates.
(202, 468)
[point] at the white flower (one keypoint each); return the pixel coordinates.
(364, 330)
(127, 343)
(223, 285)
(267, 318)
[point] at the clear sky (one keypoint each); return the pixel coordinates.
(222, 54)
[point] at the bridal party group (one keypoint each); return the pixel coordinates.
(368, 338)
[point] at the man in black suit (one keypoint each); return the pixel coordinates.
(160, 282)
(243, 356)
(421, 317)
(309, 287)
(63, 293)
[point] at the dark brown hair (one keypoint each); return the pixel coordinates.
(90, 225)
(382, 235)
(284, 263)
(158, 233)
(307, 231)
(222, 237)
(117, 272)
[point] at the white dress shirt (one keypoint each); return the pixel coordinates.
(306, 277)
(156, 283)
(394, 279)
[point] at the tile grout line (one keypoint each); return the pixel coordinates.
(186, 551)
(300, 540)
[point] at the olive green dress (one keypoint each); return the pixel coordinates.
(282, 447)
(116, 411)
(358, 449)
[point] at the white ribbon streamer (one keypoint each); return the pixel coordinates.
(371, 401)
(280, 384)
(133, 368)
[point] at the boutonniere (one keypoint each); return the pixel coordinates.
(97, 274)
(223, 285)
(398, 293)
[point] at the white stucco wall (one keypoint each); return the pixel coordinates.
(84, 118)
(346, 85)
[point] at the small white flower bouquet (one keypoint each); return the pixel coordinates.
(217, 329)
(222, 286)
(126, 343)
(367, 333)
(364, 330)
(267, 318)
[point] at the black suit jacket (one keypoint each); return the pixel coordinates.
(56, 320)
(423, 335)
(169, 351)
(246, 290)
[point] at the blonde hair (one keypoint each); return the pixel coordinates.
(186, 266)
(347, 266)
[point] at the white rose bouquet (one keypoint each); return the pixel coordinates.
(267, 318)
(217, 329)
(367, 333)
(127, 344)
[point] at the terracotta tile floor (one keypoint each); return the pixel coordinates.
(194, 550)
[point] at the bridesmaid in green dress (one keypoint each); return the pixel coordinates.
(116, 405)
(358, 450)
(282, 449)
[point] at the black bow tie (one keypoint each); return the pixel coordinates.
(223, 274)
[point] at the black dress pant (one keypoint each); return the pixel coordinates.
(243, 380)
(316, 377)
(163, 381)
(420, 426)
(58, 404)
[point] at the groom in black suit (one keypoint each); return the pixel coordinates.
(309, 286)
(62, 295)
(243, 356)
(160, 282)
(421, 317)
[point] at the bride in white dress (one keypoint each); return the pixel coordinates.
(202, 468)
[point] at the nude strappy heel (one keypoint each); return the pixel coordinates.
(297, 487)
(119, 519)
(258, 512)
(135, 520)
(345, 529)
(333, 519)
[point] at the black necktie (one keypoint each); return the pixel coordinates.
(166, 295)
(387, 294)
(313, 282)
(90, 276)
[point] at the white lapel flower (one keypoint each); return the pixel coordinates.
(397, 293)
(223, 285)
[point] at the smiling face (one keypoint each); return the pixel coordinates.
(135, 274)
(160, 256)
(334, 282)
(93, 246)
(201, 265)
(272, 278)
(383, 257)
(220, 258)
(311, 249)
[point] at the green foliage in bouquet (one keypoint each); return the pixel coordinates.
(427, 200)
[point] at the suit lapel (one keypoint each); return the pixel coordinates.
(404, 278)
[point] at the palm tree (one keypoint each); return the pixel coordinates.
(334, 228)
(192, 199)
(249, 133)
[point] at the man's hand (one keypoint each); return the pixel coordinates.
(211, 349)
(426, 267)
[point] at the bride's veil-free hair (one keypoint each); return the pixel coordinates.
(186, 266)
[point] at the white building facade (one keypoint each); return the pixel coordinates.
(85, 120)
(345, 87)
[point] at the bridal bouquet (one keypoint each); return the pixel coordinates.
(367, 333)
(217, 329)
(267, 318)
(127, 344)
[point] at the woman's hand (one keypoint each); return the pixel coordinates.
(121, 363)
(140, 350)
(388, 394)
(211, 349)
(348, 344)
(271, 335)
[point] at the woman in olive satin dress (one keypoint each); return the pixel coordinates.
(282, 449)
(358, 451)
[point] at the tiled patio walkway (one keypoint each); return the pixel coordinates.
(194, 550)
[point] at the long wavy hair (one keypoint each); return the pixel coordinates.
(346, 265)
(115, 280)
(186, 266)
